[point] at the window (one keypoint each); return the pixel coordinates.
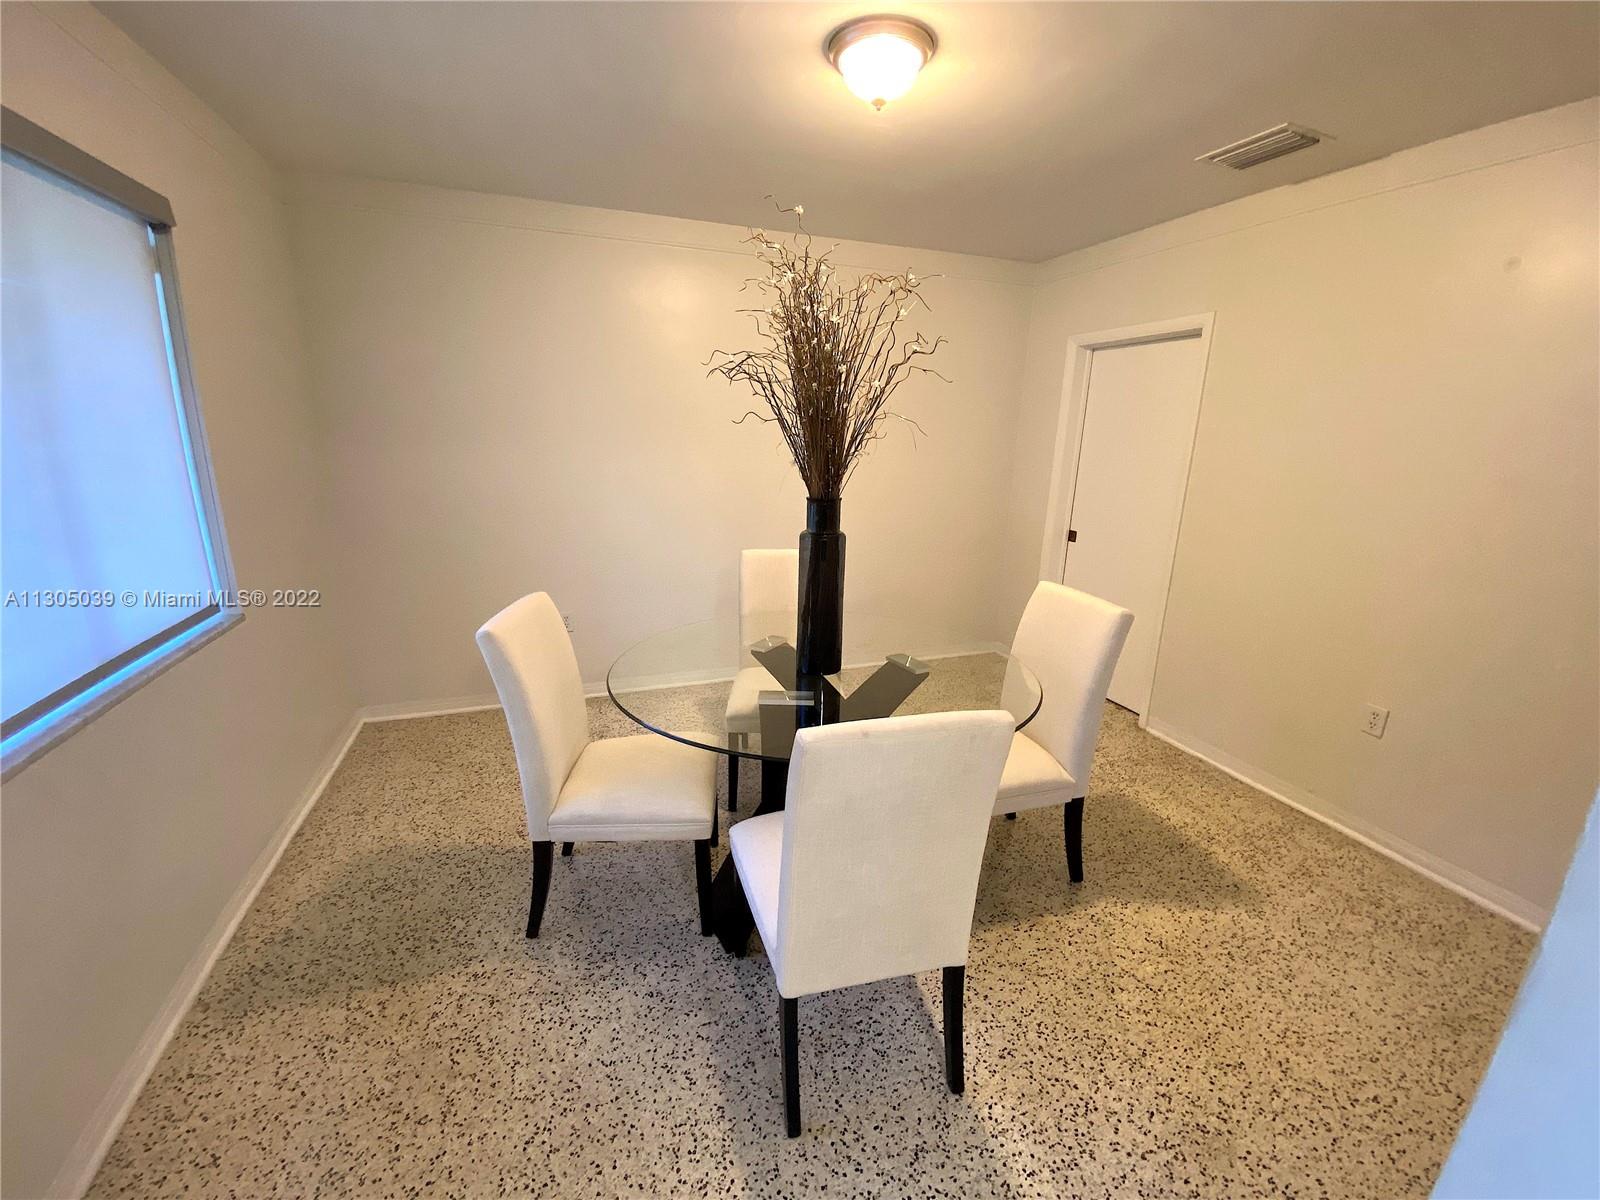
(112, 561)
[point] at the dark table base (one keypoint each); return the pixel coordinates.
(730, 911)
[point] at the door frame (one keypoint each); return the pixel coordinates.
(1074, 408)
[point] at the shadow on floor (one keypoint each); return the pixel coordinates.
(405, 913)
(1131, 855)
(871, 1074)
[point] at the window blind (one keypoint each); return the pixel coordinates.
(107, 556)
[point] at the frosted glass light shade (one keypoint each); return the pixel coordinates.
(880, 57)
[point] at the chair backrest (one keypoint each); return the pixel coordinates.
(1070, 640)
(536, 673)
(769, 583)
(883, 838)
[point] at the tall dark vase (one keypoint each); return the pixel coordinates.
(821, 623)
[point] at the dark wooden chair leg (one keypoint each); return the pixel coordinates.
(716, 829)
(733, 783)
(566, 849)
(1073, 821)
(955, 980)
(1011, 816)
(789, 1028)
(541, 886)
(702, 882)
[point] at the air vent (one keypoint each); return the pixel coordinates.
(1258, 148)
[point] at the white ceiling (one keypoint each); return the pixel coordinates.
(1037, 128)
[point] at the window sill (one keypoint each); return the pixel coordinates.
(31, 744)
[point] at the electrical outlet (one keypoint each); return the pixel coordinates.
(1374, 720)
(566, 619)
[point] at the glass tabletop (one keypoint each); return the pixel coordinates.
(729, 685)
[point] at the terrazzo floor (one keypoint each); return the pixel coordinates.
(1237, 1002)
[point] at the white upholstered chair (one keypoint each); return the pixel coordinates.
(871, 871)
(769, 584)
(1070, 640)
(627, 789)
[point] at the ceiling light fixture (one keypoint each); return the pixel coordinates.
(879, 57)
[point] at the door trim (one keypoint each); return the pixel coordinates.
(1073, 409)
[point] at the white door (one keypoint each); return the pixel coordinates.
(1133, 468)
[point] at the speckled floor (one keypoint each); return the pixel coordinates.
(1238, 1002)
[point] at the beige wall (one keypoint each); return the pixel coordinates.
(1393, 491)
(1393, 499)
(126, 844)
(517, 399)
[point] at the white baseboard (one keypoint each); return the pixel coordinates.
(1458, 879)
(407, 709)
(94, 1143)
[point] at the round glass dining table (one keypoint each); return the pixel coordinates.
(731, 687)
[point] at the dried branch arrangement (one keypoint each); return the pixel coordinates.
(833, 357)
